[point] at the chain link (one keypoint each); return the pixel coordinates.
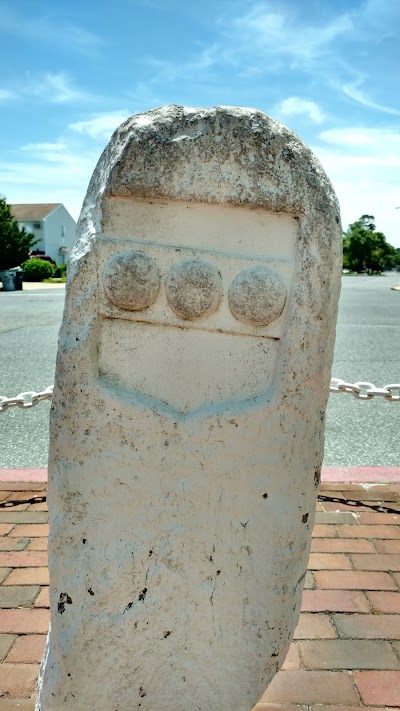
(25, 400)
(361, 390)
(366, 391)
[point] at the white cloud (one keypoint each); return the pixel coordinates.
(364, 165)
(58, 170)
(55, 88)
(375, 138)
(52, 87)
(281, 34)
(50, 176)
(294, 105)
(353, 91)
(258, 42)
(38, 147)
(198, 67)
(6, 95)
(79, 38)
(366, 196)
(100, 126)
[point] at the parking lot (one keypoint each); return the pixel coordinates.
(367, 348)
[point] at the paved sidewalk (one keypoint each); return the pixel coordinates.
(35, 285)
(346, 648)
(339, 475)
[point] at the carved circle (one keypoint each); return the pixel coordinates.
(257, 296)
(131, 280)
(193, 288)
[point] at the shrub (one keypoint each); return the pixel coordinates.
(60, 270)
(37, 270)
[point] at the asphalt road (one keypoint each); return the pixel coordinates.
(362, 433)
(367, 348)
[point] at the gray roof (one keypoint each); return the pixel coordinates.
(33, 211)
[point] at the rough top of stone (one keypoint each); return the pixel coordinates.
(224, 154)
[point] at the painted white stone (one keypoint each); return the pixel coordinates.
(131, 280)
(188, 414)
(257, 296)
(193, 288)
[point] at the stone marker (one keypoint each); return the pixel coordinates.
(188, 414)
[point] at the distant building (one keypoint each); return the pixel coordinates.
(51, 224)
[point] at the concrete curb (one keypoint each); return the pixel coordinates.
(361, 475)
(355, 475)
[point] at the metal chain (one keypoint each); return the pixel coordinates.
(361, 391)
(25, 400)
(366, 391)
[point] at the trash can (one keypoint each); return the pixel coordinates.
(18, 278)
(8, 280)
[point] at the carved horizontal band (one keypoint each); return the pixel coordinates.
(193, 288)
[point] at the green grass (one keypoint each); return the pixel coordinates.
(55, 280)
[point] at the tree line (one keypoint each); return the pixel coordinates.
(365, 250)
(15, 241)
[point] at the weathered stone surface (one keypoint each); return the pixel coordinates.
(131, 280)
(187, 419)
(194, 288)
(257, 296)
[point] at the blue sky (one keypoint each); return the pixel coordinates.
(328, 69)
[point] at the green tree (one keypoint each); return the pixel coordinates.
(365, 249)
(15, 242)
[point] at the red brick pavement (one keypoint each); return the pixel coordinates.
(346, 648)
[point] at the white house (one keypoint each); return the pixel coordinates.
(51, 224)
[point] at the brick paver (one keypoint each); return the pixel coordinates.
(23, 621)
(17, 516)
(346, 649)
(292, 661)
(368, 626)
(391, 547)
(18, 595)
(336, 517)
(335, 601)
(345, 545)
(31, 530)
(27, 576)
(388, 602)
(322, 530)
(348, 654)
(354, 580)
(23, 559)
(314, 627)
(4, 573)
(42, 599)
(329, 561)
(372, 531)
(23, 495)
(7, 543)
(19, 705)
(6, 642)
(40, 544)
(18, 680)
(379, 688)
(5, 528)
(28, 649)
(385, 519)
(376, 562)
(312, 687)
